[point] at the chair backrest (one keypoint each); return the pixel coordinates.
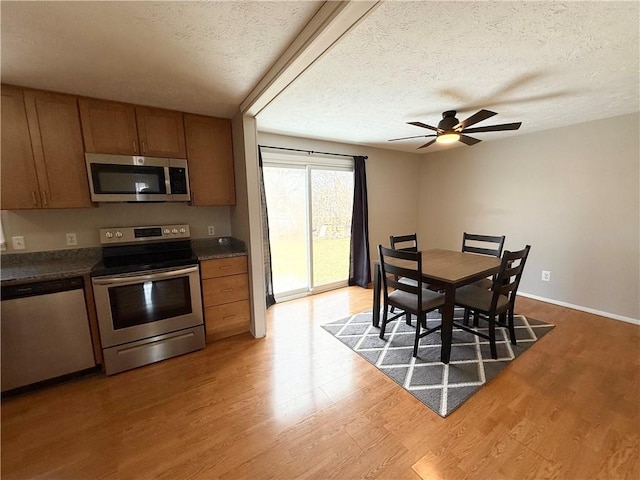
(401, 263)
(483, 244)
(408, 243)
(508, 278)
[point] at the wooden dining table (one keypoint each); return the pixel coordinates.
(445, 270)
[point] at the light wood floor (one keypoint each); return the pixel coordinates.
(299, 404)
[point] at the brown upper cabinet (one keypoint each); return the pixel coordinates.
(42, 153)
(124, 129)
(210, 157)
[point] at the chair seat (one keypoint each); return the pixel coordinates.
(477, 298)
(405, 300)
(485, 283)
(408, 281)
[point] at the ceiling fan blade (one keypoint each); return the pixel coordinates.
(427, 144)
(467, 140)
(424, 125)
(407, 138)
(494, 128)
(475, 118)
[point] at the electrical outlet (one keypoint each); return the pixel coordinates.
(72, 239)
(211, 230)
(18, 243)
(546, 275)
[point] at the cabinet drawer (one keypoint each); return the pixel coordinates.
(217, 291)
(226, 320)
(221, 267)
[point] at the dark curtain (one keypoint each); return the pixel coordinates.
(359, 262)
(266, 245)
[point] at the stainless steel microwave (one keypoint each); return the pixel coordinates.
(125, 178)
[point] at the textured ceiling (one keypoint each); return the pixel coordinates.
(200, 57)
(547, 64)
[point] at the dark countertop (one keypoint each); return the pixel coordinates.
(53, 265)
(206, 249)
(17, 268)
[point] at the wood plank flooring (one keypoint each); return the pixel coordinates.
(299, 404)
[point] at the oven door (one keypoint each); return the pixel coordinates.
(140, 305)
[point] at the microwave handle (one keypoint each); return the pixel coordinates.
(167, 179)
(141, 278)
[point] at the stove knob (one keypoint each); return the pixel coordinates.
(118, 234)
(175, 230)
(183, 230)
(108, 235)
(166, 231)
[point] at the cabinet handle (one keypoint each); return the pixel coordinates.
(227, 290)
(44, 198)
(34, 198)
(135, 147)
(228, 317)
(225, 267)
(144, 150)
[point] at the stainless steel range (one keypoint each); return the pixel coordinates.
(147, 294)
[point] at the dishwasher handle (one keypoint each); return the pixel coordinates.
(46, 287)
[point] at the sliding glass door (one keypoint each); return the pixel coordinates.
(309, 203)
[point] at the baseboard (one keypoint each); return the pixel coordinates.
(614, 316)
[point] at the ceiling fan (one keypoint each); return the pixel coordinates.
(450, 129)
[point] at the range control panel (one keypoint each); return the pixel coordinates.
(144, 234)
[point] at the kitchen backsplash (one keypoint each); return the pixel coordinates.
(44, 230)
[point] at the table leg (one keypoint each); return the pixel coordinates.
(447, 324)
(377, 280)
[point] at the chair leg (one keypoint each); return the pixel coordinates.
(492, 337)
(384, 321)
(408, 319)
(465, 320)
(476, 319)
(417, 340)
(512, 328)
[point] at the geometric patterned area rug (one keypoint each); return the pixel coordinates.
(442, 388)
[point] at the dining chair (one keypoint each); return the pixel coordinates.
(405, 243)
(482, 245)
(412, 299)
(408, 243)
(497, 302)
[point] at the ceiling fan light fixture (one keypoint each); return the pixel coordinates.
(448, 137)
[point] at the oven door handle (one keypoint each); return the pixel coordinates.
(141, 278)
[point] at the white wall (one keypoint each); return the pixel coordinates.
(572, 193)
(245, 215)
(45, 229)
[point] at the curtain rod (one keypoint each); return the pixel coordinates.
(310, 152)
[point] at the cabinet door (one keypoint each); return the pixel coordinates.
(210, 157)
(228, 319)
(161, 132)
(108, 127)
(222, 267)
(56, 138)
(19, 181)
(216, 291)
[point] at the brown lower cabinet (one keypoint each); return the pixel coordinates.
(225, 293)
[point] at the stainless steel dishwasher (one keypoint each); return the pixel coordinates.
(45, 332)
